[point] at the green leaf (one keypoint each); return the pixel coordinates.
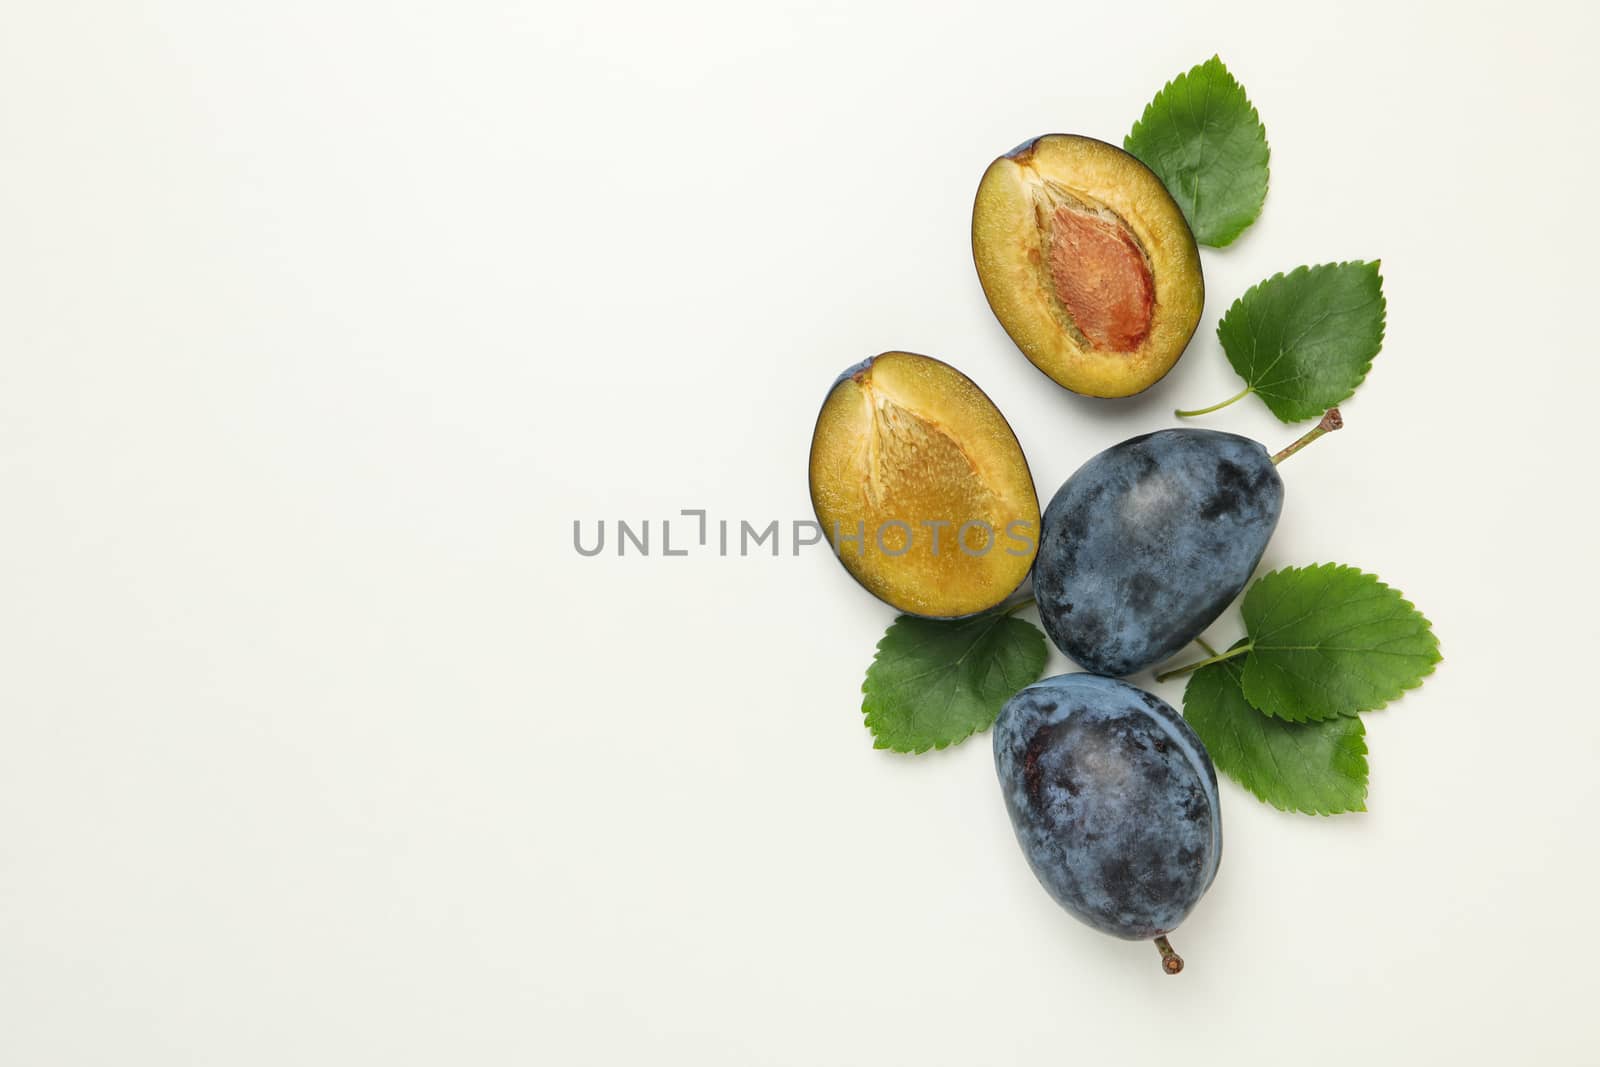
(936, 682)
(1329, 640)
(1319, 768)
(1204, 140)
(1303, 341)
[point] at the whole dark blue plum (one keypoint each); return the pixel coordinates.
(1114, 801)
(1149, 541)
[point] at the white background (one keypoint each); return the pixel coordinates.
(320, 322)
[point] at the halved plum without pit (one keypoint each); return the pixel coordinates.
(920, 483)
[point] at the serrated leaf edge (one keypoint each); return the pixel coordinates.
(1144, 116)
(1366, 368)
(868, 708)
(1361, 740)
(1427, 627)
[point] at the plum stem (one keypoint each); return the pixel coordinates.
(1171, 962)
(1215, 657)
(1214, 407)
(1203, 643)
(1331, 421)
(1018, 606)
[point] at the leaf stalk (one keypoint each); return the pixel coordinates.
(1214, 407)
(1190, 668)
(1018, 606)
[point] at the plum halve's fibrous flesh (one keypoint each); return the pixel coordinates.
(919, 482)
